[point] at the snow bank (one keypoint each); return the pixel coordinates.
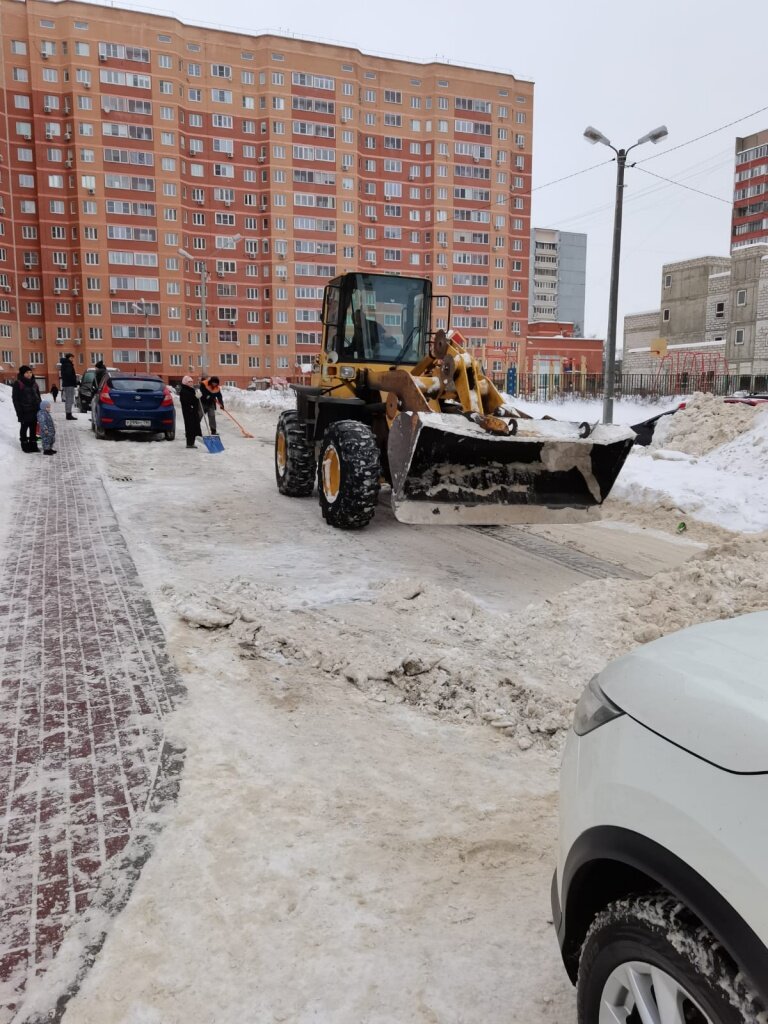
(708, 461)
(239, 400)
(441, 651)
(11, 456)
(706, 423)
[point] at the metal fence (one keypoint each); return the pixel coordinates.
(545, 387)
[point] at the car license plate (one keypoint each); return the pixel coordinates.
(138, 423)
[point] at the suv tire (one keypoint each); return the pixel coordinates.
(348, 475)
(660, 944)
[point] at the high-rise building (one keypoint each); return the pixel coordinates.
(274, 163)
(558, 277)
(750, 197)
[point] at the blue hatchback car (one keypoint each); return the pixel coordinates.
(133, 401)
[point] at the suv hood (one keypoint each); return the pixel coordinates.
(704, 689)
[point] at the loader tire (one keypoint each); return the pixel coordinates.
(294, 457)
(348, 475)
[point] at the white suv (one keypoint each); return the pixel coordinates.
(660, 898)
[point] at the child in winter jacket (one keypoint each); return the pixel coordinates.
(47, 428)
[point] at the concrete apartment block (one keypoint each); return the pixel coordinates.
(558, 277)
(127, 135)
(712, 306)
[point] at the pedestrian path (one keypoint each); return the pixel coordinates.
(86, 685)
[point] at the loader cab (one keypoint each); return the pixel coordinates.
(376, 318)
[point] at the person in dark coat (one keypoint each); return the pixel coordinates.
(68, 383)
(26, 402)
(54, 392)
(210, 397)
(190, 409)
(100, 377)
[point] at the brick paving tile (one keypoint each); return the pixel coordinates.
(85, 683)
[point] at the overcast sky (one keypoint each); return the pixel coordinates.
(693, 65)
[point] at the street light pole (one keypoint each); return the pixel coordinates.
(594, 136)
(203, 300)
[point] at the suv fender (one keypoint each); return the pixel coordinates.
(607, 863)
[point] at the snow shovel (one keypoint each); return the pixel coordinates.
(211, 441)
(243, 431)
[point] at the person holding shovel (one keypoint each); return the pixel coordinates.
(210, 397)
(190, 410)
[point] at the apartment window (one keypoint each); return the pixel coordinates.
(738, 337)
(665, 316)
(18, 46)
(741, 297)
(719, 310)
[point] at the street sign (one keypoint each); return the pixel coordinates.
(512, 380)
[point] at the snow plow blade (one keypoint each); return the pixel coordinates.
(446, 469)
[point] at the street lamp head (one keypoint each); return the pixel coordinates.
(237, 238)
(594, 136)
(655, 136)
(185, 254)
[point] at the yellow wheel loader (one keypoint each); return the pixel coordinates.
(393, 401)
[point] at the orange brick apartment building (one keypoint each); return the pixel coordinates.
(125, 137)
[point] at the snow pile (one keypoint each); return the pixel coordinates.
(420, 644)
(704, 424)
(746, 455)
(11, 455)
(709, 461)
(239, 400)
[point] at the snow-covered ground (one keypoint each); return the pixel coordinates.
(366, 822)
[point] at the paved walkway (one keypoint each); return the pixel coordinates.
(86, 682)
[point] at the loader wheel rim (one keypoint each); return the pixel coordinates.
(281, 453)
(331, 474)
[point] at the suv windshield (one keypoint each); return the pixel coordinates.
(136, 385)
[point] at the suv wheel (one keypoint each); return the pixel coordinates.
(649, 959)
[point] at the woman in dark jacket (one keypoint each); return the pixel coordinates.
(26, 402)
(190, 408)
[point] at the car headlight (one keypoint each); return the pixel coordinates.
(593, 710)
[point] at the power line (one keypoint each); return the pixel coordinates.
(689, 188)
(574, 175)
(706, 135)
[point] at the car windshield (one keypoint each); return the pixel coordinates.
(136, 385)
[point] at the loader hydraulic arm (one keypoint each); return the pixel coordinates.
(448, 374)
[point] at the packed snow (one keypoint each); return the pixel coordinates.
(366, 823)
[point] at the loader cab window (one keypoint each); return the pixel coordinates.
(384, 320)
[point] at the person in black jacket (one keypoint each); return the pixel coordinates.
(26, 402)
(68, 383)
(101, 375)
(190, 409)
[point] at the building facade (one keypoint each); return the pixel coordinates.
(713, 318)
(554, 347)
(274, 163)
(558, 277)
(749, 221)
